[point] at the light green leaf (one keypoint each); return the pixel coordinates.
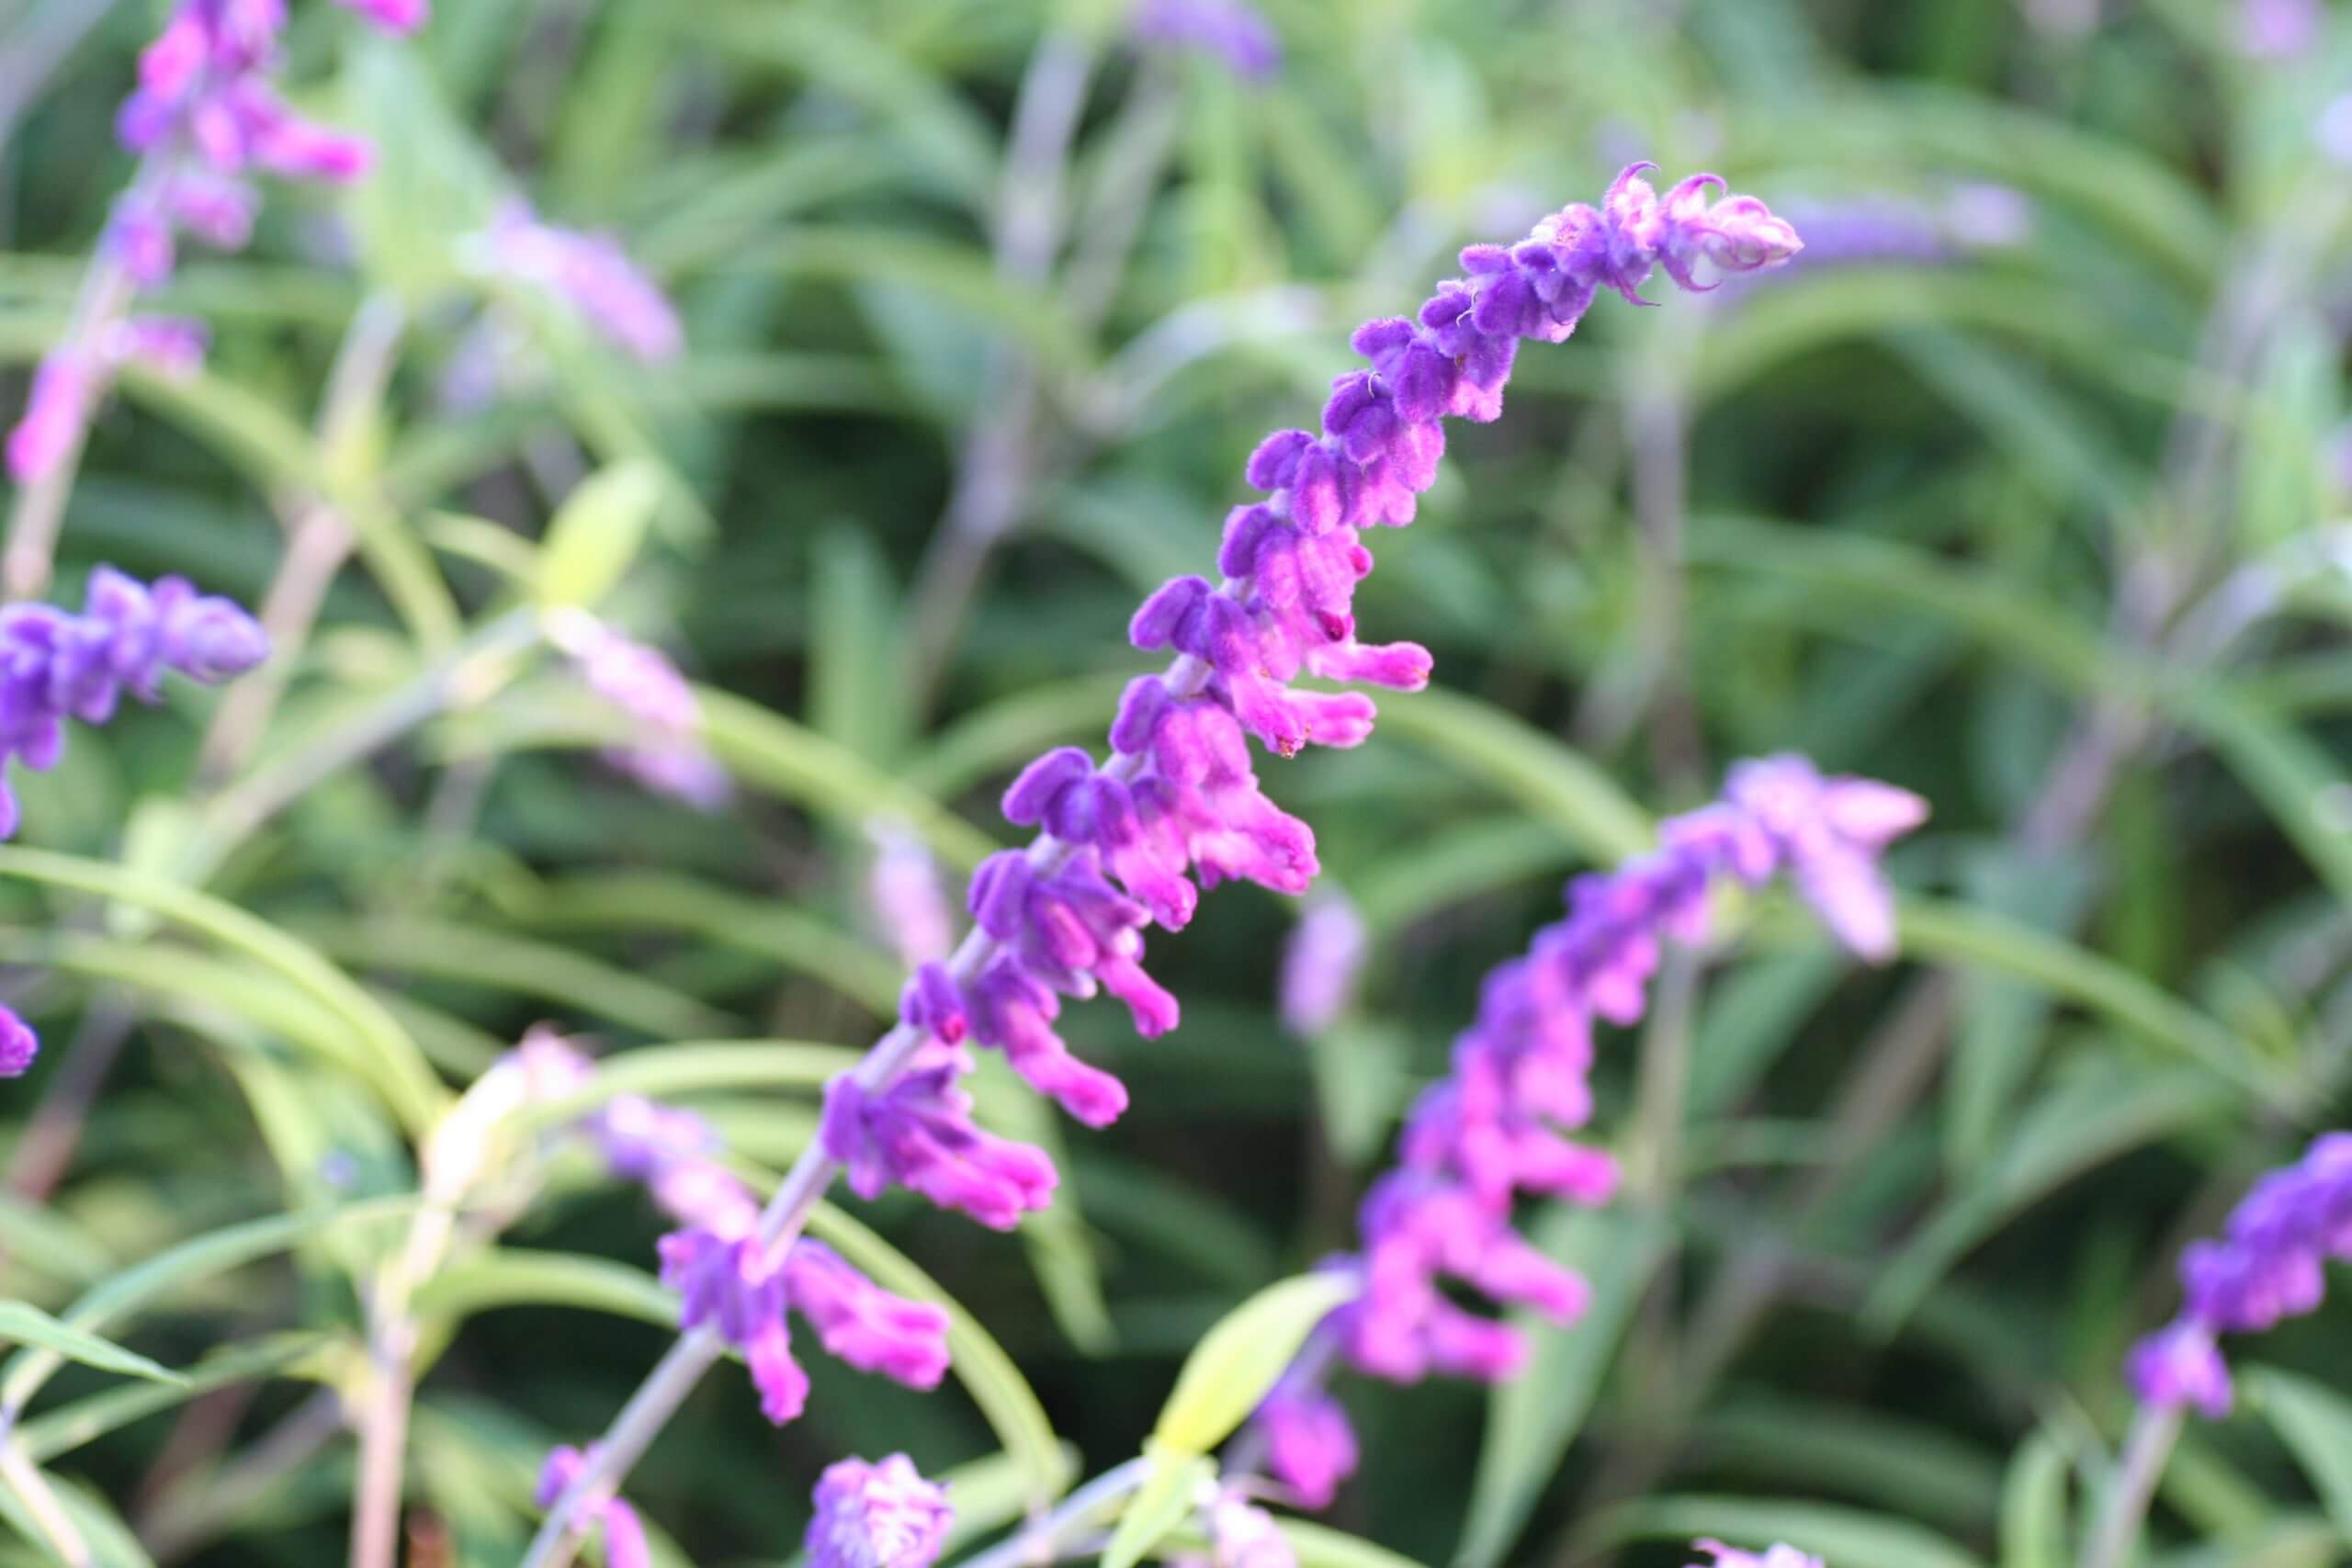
(2034, 1527)
(1848, 1537)
(2105, 1110)
(1553, 781)
(596, 533)
(513, 1276)
(21, 1322)
(69, 1426)
(405, 1079)
(2315, 1423)
(1532, 1418)
(215, 1252)
(770, 752)
(1238, 1361)
(1158, 1506)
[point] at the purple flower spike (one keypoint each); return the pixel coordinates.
(1177, 807)
(2181, 1365)
(595, 276)
(54, 666)
(1494, 1130)
(730, 1284)
(1320, 965)
(1721, 1556)
(877, 1516)
(667, 755)
(1229, 31)
(2268, 1264)
(919, 1134)
(19, 1045)
(625, 1544)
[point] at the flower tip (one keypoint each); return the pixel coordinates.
(19, 1045)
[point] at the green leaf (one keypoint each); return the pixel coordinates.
(200, 1258)
(401, 1070)
(1553, 781)
(21, 1322)
(1532, 1418)
(513, 1276)
(1238, 1361)
(1320, 1546)
(857, 690)
(2034, 1527)
(1848, 1537)
(69, 1426)
(596, 533)
(770, 752)
(2315, 1423)
(449, 950)
(2110, 1107)
(794, 937)
(1158, 1506)
(987, 1374)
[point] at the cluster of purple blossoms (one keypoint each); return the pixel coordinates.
(1179, 799)
(625, 1544)
(206, 117)
(2270, 1263)
(1230, 30)
(2279, 30)
(666, 755)
(728, 1279)
(1721, 1556)
(1489, 1134)
(877, 1516)
(55, 665)
(592, 275)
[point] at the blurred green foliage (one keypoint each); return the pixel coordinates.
(2047, 526)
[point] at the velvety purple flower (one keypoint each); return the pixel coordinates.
(666, 755)
(919, 1134)
(625, 1544)
(1310, 1443)
(55, 665)
(1229, 31)
(1721, 1556)
(909, 907)
(1494, 1130)
(1320, 965)
(18, 1044)
(2268, 1264)
(877, 1516)
(593, 276)
(1177, 807)
(2180, 1364)
(735, 1286)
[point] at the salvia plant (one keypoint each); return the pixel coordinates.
(635, 638)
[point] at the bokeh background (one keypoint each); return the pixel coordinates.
(2023, 487)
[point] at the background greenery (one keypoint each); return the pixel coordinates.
(2046, 529)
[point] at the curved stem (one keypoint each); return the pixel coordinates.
(1037, 1542)
(2134, 1484)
